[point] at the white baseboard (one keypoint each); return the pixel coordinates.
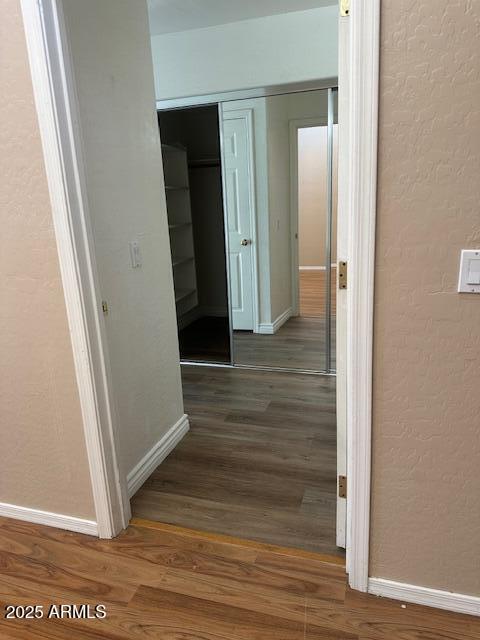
(319, 268)
(458, 602)
(49, 519)
(270, 328)
(156, 455)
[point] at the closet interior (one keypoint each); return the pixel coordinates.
(193, 186)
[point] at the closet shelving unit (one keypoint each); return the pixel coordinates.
(175, 168)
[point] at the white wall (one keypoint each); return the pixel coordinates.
(281, 110)
(113, 69)
(278, 152)
(312, 195)
(285, 48)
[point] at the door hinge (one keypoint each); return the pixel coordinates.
(342, 486)
(344, 8)
(105, 307)
(342, 275)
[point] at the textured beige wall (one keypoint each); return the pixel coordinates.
(43, 461)
(426, 444)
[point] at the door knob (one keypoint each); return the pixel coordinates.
(245, 242)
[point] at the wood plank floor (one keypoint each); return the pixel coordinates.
(259, 461)
(312, 289)
(169, 584)
(298, 344)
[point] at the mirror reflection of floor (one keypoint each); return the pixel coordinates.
(313, 292)
(298, 344)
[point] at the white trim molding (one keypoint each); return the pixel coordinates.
(58, 520)
(363, 75)
(269, 328)
(57, 109)
(245, 94)
(157, 454)
(448, 600)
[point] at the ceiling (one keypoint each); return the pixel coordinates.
(168, 16)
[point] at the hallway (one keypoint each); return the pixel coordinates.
(259, 461)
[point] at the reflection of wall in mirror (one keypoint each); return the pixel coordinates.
(291, 47)
(271, 118)
(280, 111)
(312, 196)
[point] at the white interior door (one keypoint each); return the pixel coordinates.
(237, 170)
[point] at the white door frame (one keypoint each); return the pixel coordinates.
(294, 125)
(57, 108)
(359, 70)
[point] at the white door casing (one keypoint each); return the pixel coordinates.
(237, 161)
(342, 255)
(57, 110)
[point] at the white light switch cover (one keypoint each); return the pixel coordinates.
(135, 255)
(469, 277)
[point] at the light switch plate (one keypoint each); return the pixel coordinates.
(135, 255)
(469, 277)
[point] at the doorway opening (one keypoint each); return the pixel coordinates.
(54, 86)
(247, 190)
(193, 191)
(317, 231)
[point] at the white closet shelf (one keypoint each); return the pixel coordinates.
(179, 225)
(180, 294)
(181, 260)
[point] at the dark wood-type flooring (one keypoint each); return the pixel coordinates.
(298, 344)
(259, 461)
(178, 585)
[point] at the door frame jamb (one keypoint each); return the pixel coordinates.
(360, 69)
